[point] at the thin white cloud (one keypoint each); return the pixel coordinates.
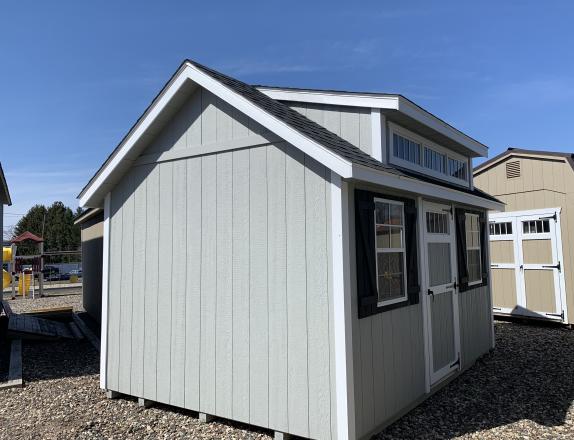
(258, 67)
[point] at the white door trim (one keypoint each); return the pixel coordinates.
(435, 377)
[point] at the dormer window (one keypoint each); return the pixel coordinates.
(410, 150)
(406, 149)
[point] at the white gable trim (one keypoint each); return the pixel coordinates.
(388, 102)
(93, 194)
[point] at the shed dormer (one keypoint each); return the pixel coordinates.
(391, 129)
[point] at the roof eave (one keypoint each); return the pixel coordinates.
(412, 185)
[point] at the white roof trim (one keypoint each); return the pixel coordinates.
(389, 102)
(94, 193)
(423, 188)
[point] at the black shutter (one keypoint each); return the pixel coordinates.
(413, 287)
(365, 253)
(460, 220)
(483, 248)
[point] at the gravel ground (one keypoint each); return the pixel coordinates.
(524, 390)
(57, 298)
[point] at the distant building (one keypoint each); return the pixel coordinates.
(92, 226)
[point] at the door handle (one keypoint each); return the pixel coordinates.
(430, 292)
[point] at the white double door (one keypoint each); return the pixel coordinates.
(440, 297)
(526, 263)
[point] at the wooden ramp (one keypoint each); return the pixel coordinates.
(31, 327)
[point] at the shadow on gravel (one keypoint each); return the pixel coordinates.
(43, 360)
(530, 376)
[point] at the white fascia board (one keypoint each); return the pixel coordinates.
(122, 153)
(333, 98)
(423, 188)
(390, 102)
(424, 117)
(190, 72)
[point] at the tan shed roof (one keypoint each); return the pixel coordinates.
(521, 152)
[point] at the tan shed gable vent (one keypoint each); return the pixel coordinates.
(512, 169)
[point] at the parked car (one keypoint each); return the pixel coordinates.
(77, 272)
(51, 273)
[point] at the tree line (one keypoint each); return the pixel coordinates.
(55, 224)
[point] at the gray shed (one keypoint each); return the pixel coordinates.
(312, 262)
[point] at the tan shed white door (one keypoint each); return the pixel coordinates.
(526, 264)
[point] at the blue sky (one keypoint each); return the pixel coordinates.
(76, 75)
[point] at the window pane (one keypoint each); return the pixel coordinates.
(383, 234)
(382, 212)
(474, 270)
(509, 228)
(396, 238)
(546, 226)
(396, 217)
(390, 275)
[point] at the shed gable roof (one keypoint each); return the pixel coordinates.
(523, 153)
(334, 152)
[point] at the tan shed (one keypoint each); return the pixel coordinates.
(531, 254)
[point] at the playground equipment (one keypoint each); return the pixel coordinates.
(6, 258)
(16, 266)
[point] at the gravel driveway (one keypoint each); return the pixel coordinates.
(524, 390)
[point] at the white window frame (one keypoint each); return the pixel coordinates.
(473, 248)
(402, 249)
(420, 167)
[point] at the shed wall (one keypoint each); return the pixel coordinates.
(388, 347)
(92, 258)
(219, 295)
(543, 183)
(351, 123)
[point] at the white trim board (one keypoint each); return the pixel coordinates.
(344, 386)
(105, 292)
(381, 101)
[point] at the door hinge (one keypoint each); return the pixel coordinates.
(457, 362)
(549, 217)
(561, 315)
(555, 266)
(431, 293)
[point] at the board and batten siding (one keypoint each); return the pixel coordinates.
(351, 123)
(219, 291)
(388, 355)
